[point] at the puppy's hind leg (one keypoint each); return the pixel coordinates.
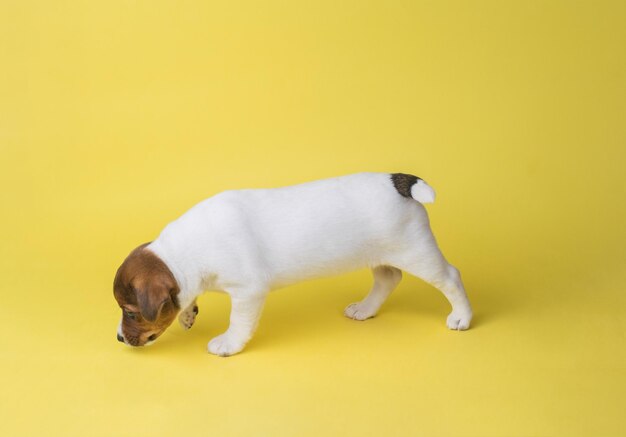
(450, 284)
(187, 317)
(386, 279)
(429, 264)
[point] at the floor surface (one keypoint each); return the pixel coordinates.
(116, 117)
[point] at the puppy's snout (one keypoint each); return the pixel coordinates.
(120, 338)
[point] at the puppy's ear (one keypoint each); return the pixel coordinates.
(151, 298)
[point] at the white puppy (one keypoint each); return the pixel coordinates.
(248, 242)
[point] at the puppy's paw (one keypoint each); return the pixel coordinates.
(188, 317)
(459, 320)
(225, 345)
(358, 311)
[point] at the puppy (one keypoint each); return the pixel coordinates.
(248, 242)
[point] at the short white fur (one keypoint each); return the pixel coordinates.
(248, 242)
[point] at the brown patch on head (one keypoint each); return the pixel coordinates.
(147, 291)
(403, 183)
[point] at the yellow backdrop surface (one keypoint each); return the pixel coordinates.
(117, 116)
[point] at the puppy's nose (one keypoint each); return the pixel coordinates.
(120, 338)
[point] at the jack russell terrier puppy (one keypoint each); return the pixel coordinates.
(248, 242)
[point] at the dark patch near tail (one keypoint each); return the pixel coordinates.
(404, 182)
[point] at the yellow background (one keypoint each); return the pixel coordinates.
(116, 117)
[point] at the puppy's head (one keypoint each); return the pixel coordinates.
(146, 291)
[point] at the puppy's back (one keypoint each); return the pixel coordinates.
(309, 230)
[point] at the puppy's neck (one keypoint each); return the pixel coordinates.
(189, 284)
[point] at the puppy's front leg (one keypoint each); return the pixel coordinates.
(187, 317)
(244, 317)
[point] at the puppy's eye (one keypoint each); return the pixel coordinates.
(130, 314)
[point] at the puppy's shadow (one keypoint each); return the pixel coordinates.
(291, 315)
(423, 301)
(211, 321)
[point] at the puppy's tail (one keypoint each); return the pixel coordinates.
(412, 186)
(422, 192)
